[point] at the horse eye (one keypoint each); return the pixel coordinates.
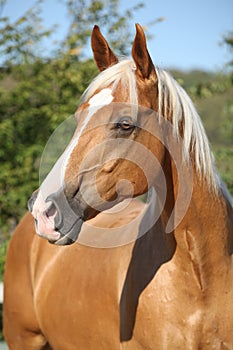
(125, 124)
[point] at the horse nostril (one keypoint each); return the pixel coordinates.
(32, 200)
(51, 211)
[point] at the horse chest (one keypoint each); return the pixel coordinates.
(105, 304)
(81, 295)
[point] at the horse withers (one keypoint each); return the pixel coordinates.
(121, 274)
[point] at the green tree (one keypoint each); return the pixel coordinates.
(228, 41)
(20, 40)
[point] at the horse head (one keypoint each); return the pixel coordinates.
(136, 129)
(112, 146)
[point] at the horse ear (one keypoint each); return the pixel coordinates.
(142, 59)
(103, 55)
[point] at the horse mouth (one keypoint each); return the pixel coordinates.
(71, 236)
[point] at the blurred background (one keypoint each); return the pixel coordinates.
(46, 64)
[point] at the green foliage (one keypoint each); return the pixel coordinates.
(228, 41)
(20, 40)
(3, 249)
(224, 162)
(212, 94)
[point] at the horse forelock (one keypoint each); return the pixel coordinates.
(123, 72)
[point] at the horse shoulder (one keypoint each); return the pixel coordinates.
(21, 329)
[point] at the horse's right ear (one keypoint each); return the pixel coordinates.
(103, 55)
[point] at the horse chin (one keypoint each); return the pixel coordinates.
(70, 237)
(65, 240)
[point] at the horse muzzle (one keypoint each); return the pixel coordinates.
(60, 219)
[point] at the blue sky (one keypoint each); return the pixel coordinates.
(188, 38)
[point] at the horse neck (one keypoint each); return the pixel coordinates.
(204, 236)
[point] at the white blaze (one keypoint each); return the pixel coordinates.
(103, 98)
(55, 179)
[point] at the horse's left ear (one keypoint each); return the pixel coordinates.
(142, 59)
(103, 55)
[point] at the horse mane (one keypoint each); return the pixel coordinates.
(173, 99)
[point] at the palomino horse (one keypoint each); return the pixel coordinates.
(167, 285)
